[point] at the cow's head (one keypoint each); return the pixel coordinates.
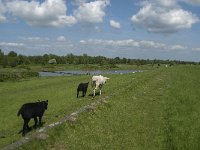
(45, 104)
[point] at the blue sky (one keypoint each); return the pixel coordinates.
(145, 29)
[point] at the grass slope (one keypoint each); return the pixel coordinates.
(156, 109)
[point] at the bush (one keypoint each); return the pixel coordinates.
(24, 67)
(4, 76)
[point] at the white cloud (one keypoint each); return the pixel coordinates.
(144, 44)
(10, 44)
(2, 11)
(78, 2)
(61, 39)
(115, 24)
(165, 3)
(193, 2)
(196, 49)
(91, 12)
(47, 13)
(30, 38)
(163, 17)
(152, 44)
(177, 47)
(82, 41)
(98, 29)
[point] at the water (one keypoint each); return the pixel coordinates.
(82, 72)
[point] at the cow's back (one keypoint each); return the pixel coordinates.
(97, 80)
(82, 86)
(31, 110)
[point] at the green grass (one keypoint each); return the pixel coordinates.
(155, 109)
(61, 93)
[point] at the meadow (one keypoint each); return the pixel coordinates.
(154, 109)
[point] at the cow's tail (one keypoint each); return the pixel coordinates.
(19, 112)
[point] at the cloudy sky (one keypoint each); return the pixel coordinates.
(145, 29)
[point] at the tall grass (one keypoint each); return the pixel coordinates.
(61, 93)
(182, 111)
(155, 109)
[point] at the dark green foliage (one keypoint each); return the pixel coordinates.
(13, 60)
(1, 57)
(12, 54)
(4, 76)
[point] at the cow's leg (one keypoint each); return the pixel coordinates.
(35, 119)
(100, 89)
(77, 93)
(25, 126)
(40, 120)
(83, 93)
(94, 93)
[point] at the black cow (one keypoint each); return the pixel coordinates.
(32, 110)
(82, 87)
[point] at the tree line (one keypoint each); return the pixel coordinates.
(12, 59)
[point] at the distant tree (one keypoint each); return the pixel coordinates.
(70, 58)
(117, 60)
(45, 58)
(85, 59)
(13, 61)
(124, 61)
(23, 60)
(1, 57)
(5, 61)
(12, 54)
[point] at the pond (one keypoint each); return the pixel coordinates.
(82, 72)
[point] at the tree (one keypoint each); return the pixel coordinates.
(5, 61)
(23, 60)
(13, 61)
(12, 54)
(1, 57)
(45, 58)
(117, 60)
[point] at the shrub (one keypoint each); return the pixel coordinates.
(5, 76)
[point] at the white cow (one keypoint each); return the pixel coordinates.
(98, 81)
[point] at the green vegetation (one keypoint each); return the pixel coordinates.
(15, 66)
(12, 59)
(154, 109)
(4, 76)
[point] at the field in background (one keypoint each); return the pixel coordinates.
(62, 67)
(29, 71)
(154, 109)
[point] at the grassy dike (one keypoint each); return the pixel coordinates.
(155, 109)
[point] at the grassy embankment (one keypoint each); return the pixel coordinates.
(61, 67)
(30, 71)
(156, 109)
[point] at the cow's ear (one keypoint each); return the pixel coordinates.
(47, 101)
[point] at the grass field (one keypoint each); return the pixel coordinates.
(154, 109)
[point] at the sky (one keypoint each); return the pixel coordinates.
(136, 29)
